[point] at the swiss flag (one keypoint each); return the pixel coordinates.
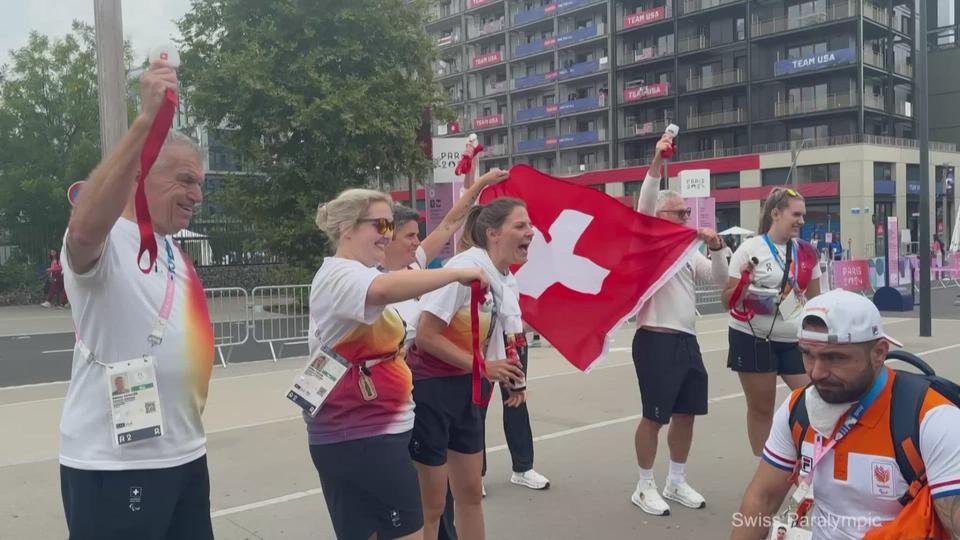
(592, 263)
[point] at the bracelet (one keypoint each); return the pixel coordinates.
(718, 249)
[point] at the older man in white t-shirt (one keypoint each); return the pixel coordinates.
(666, 355)
(133, 462)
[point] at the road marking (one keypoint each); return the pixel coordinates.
(56, 351)
(266, 502)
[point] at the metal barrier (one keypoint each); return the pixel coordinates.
(228, 307)
(708, 294)
(280, 316)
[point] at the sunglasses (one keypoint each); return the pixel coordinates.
(685, 212)
(384, 226)
(787, 192)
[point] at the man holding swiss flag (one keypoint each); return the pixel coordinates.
(594, 263)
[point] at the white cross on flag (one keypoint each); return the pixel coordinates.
(592, 263)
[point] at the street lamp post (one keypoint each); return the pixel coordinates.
(379, 183)
(920, 42)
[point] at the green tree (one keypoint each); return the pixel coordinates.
(49, 135)
(318, 94)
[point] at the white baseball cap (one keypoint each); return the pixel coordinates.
(850, 318)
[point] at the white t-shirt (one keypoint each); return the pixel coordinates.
(764, 287)
(340, 319)
(115, 307)
(674, 305)
(408, 309)
(869, 485)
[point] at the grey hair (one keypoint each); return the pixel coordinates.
(404, 214)
(665, 195)
(342, 213)
(176, 138)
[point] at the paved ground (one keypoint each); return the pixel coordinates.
(264, 486)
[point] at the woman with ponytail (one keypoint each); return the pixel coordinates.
(447, 443)
(771, 278)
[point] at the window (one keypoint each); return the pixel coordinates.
(882, 171)
(775, 177)
(809, 174)
(740, 29)
(725, 180)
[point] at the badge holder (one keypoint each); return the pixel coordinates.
(321, 375)
(134, 400)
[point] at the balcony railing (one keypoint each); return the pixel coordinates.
(494, 88)
(640, 129)
(692, 6)
(719, 118)
(446, 41)
(903, 68)
(692, 43)
(535, 14)
(733, 76)
(827, 103)
(905, 108)
(842, 10)
(874, 58)
(445, 70)
(578, 169)
(440, 12)
(876, 13)
(632, 54)
(874, 101)
(478, 30)
(494, 150)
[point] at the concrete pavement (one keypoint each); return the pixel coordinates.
(264, 485)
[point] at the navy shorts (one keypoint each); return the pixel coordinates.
(749, 354)
(671, 374)
(370, 486)
(148, 504)
(446, 418)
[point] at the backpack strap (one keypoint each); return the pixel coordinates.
(799, 421)
(909, 391)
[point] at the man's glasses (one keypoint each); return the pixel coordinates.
(384, 226)
(683, 213)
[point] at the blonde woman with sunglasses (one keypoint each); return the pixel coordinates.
(771, 278)
(359, 438)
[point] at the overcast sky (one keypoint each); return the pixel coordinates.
(146, 23)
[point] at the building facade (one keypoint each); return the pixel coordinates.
(586, 87)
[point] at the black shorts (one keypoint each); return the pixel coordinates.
(749, 354)
(370, 486)
(671, 375)
(446, 418)
(152, 504)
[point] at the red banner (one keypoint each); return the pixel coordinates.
(488, 121)
(644, 17)
(635, 93)
(488, 59)
(477, 3)
(852, 275)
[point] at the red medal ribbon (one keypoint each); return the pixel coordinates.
(148, 156)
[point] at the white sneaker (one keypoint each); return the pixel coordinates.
(46, 304)
(649, 500)
(684, 494)
(531, 479)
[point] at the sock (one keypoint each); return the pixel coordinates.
(675, 476)
(645, 474)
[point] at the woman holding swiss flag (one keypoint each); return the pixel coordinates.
(447, 443)
(771, 278)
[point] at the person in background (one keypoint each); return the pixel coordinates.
(56, 294)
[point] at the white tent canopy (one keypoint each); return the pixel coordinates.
(736, 231)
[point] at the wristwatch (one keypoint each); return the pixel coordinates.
(718, 249)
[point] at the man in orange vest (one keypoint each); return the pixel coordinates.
(846, 464)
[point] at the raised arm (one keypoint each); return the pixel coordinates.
(454, 219)
(651, 184)
(110, 186)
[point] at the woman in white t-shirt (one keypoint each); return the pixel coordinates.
(359, 438)
(447, 438)
(765, 307)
